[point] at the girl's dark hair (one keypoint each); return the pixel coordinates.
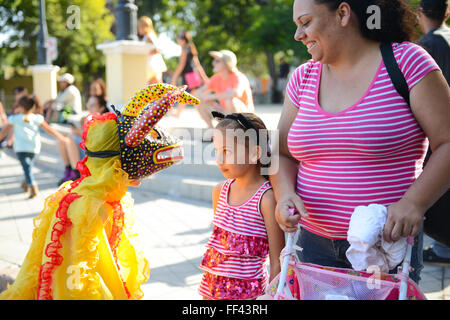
(102, 103)
(102, 85)
(398, 21)
(30, 101)
(186, 36)
(261, 131)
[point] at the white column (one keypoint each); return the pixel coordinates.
(126, 69)
(44, 81)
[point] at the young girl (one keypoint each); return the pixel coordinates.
(27, 141)
(245, 232)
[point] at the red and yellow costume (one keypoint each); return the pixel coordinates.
(84, 245)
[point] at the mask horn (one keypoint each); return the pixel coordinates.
(150, 116)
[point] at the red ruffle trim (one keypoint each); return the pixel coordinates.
(117, 228)
(116, 232)
(44, 291)
(239, 244)
(90, 119)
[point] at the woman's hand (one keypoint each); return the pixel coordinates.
(286, 221)
(405, 219)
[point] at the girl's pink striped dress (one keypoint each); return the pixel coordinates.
(371, 152)
(237, 250)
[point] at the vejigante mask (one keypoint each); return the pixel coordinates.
(145, 148)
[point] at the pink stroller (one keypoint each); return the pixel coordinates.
(305, 281)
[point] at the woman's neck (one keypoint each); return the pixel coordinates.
(350, 59)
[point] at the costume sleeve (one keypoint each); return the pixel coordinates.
(415, 63)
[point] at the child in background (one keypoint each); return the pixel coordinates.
(71, 153)
(245, 232)
(27, 141)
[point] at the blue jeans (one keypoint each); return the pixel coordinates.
(328, 252)
(27, 161)
(441, 250)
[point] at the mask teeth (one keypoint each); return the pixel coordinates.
(150, 117)
(152, 93)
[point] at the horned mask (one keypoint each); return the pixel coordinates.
(144, 147)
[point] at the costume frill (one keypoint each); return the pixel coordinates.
(84, 245)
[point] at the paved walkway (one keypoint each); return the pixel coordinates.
(174, 232)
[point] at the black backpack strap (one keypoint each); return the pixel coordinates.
(394, 71)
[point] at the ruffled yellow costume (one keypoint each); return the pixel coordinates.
(84, 245)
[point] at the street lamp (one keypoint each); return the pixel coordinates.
(42, 38)
(126, 20)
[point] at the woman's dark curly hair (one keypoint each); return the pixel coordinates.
(398, 21)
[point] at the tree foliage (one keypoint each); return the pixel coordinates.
(77, 52)
(258, 31)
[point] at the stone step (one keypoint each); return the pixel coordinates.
(206, 170)
(175, 185)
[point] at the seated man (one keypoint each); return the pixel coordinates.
(228, 90)
(67, 102)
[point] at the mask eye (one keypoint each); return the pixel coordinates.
(154, 134)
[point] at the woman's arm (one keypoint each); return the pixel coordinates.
(200, 69)
(5, 131)
(3, 116)
(152, 38)
(180, 67)
(284, 181)
(53, 132)
(430, 104)
(274, 233)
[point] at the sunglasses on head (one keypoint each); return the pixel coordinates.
(239, 118)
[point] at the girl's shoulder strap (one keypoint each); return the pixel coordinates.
(264, 187)
(224, 189)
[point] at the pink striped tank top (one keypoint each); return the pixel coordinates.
(237, 249)
(370, 152)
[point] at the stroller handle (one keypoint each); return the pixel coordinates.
(286, 258)
(285, 265)
(405, 269)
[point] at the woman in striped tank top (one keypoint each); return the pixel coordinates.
(348, 138)
(245, 232)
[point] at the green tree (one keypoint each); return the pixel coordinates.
(256, 30)
(77, 51)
